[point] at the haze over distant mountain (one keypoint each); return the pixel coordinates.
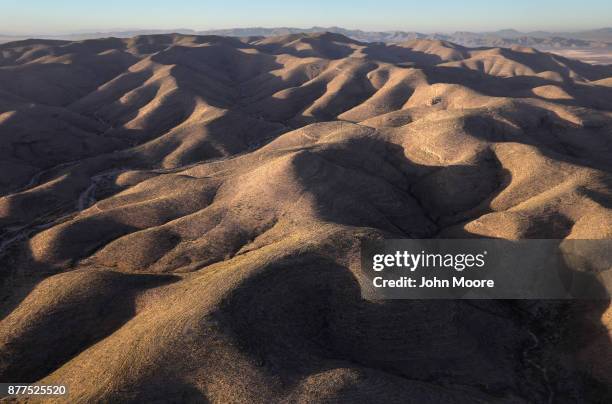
(508, 36)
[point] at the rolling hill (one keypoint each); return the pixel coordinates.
(181, 216)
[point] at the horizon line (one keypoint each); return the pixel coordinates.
(196, 31)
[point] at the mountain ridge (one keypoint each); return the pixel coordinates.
(595, 35)
(183, 215)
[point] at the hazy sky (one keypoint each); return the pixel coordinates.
(59, 16)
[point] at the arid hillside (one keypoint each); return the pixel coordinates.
(181, 217)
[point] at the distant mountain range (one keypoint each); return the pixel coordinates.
(597, 38)
(507, 37)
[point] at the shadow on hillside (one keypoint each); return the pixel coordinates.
(597, 97)
(304, 315)
(440, 342)
(327, 45)
(62, 314)
(369, 182)
(390, 53)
